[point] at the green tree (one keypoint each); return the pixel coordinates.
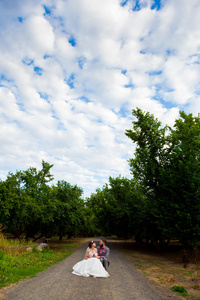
(25, 201)
(126, 205)
(118, 208)
(69, 206)
(148, 166)
(166, 163)
(183, 175)
(11, 205)
(100, 213)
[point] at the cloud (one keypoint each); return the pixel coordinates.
(73, 70)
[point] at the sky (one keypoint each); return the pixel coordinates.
(71, 71)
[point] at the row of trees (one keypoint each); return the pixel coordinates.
(162, 201)
(30, 207)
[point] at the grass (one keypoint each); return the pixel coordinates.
(166, 269)
(16, 263)
(27, 264)
(180, 289)
(12, 246)
(139, 266)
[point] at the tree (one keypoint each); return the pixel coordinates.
(166, 163)
(25, 201)
(99, 211)
(11, 205)
(126, 204)
(118, 208)
(32, 208)
(184, 178)
(68, 214)
(147, 166)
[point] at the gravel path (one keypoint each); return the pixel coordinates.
(57, 282)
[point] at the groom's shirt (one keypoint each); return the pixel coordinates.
(101, 249)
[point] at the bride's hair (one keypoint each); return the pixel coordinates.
(90, 244)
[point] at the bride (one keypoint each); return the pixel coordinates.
(91, 264)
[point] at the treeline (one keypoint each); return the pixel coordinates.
(162, 201)
(31, 208)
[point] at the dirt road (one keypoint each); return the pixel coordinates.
(57, 282)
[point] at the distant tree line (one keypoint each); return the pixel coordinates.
(161, 202)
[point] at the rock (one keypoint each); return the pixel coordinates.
(41, 246)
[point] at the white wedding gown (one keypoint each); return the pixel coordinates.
(90, 267)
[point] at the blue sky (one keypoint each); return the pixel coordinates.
(71, 71)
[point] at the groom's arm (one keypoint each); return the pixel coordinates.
(107, 252)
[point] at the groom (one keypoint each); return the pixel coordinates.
(103, 252)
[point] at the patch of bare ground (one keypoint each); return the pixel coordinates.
(165, 269)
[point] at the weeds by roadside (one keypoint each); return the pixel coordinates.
(15, 268)
(12, 247)
(16, 263)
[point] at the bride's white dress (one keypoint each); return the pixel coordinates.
(90, 267)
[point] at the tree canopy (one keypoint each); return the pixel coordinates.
(166, 163)
(29, 207)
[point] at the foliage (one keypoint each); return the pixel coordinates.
(118, 207)
(166, 164)
(184, 179)
(69, 206)
(30, 207)
(24, 199)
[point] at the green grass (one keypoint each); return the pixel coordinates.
(137, 265)
(15, 268)
(181, 290)
(190, 274)
(156, 264)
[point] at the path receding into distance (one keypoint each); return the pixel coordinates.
(57, 282)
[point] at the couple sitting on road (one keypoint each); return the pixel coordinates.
(95, 262)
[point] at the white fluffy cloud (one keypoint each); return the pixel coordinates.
(73, 70)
